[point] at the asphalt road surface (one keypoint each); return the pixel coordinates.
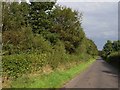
(99, 75)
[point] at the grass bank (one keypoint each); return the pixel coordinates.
(55, 79)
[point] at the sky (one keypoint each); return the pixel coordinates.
(100, 19)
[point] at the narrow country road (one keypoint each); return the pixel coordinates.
(99, 75)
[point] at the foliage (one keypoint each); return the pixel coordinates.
(110, 47)
(18, 64)
(107, 49)
(35, 35)
(24, 41)
(12, 13)
(39, 17)
(87, 46)
(114, 59)
(55, 79)
(67, 24)
(15, 65)
(92, 48)
(111, 52)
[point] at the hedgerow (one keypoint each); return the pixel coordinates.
(35, 35)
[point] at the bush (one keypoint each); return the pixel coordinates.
(114, 59)
(24, 41)
(20, 64)
(17, 65)
(41, 45)
(17, 41)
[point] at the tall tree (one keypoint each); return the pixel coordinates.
(107, 49)
(39, 16)
(91, 48)
(116, 45)
(67, 23)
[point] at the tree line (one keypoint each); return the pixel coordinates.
(111, 52)
(42, 33)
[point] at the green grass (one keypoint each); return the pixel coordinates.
(55, 79)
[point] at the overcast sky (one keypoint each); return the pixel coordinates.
(100, 20)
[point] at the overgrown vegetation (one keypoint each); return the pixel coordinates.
(42, 34)
(111, 53)
(55, 79)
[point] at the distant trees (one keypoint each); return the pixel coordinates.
(111, 52)
(111, 47)
(92, 48)
(108, 48)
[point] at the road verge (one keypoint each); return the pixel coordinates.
(56, 79)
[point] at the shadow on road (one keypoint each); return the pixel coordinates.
(112, 70)
(111, 73)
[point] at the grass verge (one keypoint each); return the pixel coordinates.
(55, 79)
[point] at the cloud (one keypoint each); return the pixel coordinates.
(100, 20)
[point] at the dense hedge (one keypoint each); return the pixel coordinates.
(114, 59)
(19, 64)
(111, 53)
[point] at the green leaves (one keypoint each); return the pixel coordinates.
(15, 65)
(111, 53)
(39, 17)
(91, 48)
(110, 47)
(36, 34)
(52, 24)
(66, 23)
(14, 15)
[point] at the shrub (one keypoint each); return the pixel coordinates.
(114, 59)
(15, 65)
(17, 41)
(24, 41)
